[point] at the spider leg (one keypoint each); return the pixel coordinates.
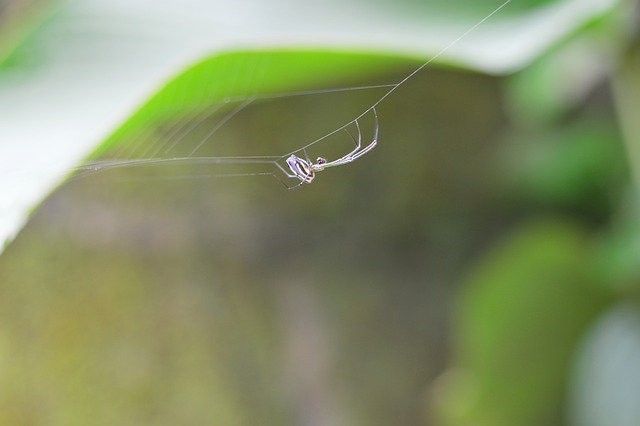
(355, 143)
(306, 155)
(295, 186)
(373, 143)
(358, 151)
(285, 183)
(349, 157)
(287, 174)
(358, 145)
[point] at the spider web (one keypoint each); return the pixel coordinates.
(198, 132)
(234, 138)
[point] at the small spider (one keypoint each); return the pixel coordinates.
(305, 170)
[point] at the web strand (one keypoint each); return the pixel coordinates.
(394, 87)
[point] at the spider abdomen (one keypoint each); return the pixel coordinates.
(301, 169)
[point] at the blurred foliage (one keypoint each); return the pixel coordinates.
(578, 166)
(456, 276)
(19, 20)
(521, 314)
(617, 258)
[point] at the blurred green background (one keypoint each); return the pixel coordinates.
(480, 267)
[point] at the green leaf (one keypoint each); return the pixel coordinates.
(96, 60)
(518, 319)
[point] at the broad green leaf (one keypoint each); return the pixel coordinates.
(97, 60)
(210, 82)
(519, 317)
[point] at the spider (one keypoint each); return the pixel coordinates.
(305, 170)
